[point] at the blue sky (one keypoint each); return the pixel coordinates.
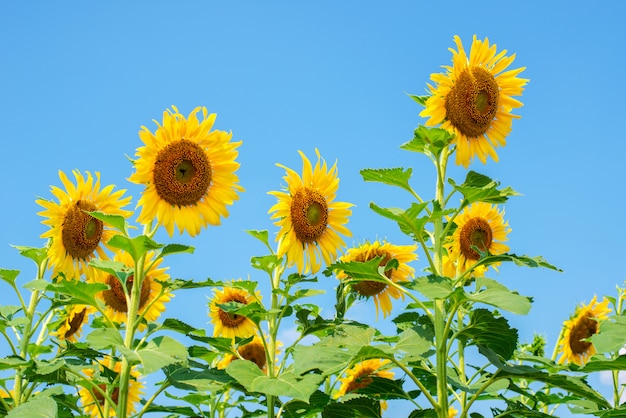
(78, 80)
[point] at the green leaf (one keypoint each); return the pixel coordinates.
(114, 268)
(419, 99)
(37, 407)
(260, 235)
(286, 384)
(363, 270)
(116, 221)
(77, 291)
(407, 220)
(431, 286)
(612, 335)
(391, 176)
(428, 141)
(38, 255)
(357, 407)
(600, 363)
(412, 344)
(520, 260)
(136, 246)
(160, 352)
(176, 248)
(104, 338)
(484, 329)
(496, 294)
(267, 263)
(300, 409)
(200, 380)
(9, 276)
(480, 188)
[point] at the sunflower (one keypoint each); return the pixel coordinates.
(479, 227)
(360, 376)
(188, 170)
(75, 236)
(586, 322)
(231, 325)
(381, 292)
(310, 220)
(91, 397)
(474, 100)
(74, 317)
(452, 411)
(254, 351)
(151, 298)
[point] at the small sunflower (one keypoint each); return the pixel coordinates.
(310, 221)
(75, 236)
(480, 226)
(474, 99)
(93, 401)
(452, 411)
(151, 301)
(586, 322)
(381, 292)
(360, 376)
(75, 316)
(253, 351)
(188, 170)
(231, 325)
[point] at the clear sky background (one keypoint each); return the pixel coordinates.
(79, 79)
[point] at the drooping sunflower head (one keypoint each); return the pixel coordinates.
(152, 298)
(379, 291)
(92, 397)
(480, 228)
(360, 376)
(229, 324)
(75, 236)
(254, 351)
(474, 100)
(188, 171)
(573, 346)
(311, 221)
(73, 319)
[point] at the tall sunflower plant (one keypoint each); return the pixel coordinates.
(88, 336)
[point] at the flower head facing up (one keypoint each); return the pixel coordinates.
(151, 298)
(379, 291)
(586, 322)
(474, 100)
(75, 236)
(229, 324)
(480, 228)
(311, 222)
(92, 398)
(189, 172)
(74, 317)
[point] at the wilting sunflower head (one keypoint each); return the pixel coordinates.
(573, 346)
(75, 236)
(360, 376)
(73, 318)
(188, 171)
(92, 398)
(229, 324)
(378, 290)
(311, 222)
(152, 299)
(480, 228)
(474, 99)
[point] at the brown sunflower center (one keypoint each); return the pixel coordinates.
(472, 102)
(182, 173)
(369, 288)
(584, 328)
(114, 296)
(309, 214)
(98, 396)
(75, 323)
(81, 232)
(360, 381)
(255, 352)
(229, 319)
(475, 233)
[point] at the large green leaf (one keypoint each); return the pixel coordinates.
(433, 287)
(116, 221)
(496, 294)
(267, 263)
(176, 248)
(37, 407)
(160, 352)
(356, 407)
(428, 141)
(299, 387)
(201, 380)
(520, 260)
(480, 188)
(136, 246)
(9, 276)
(484, 329)
(78, 291)
(612, 335)
(392, 176)
(38, 255)
(364, 270)
(407, 220)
